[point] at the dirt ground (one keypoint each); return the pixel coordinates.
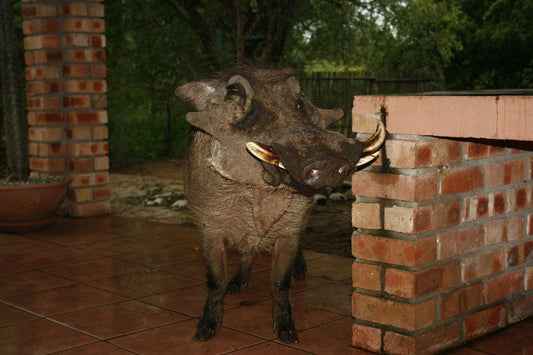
(329, 229)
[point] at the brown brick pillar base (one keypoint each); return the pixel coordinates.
(66, 98)
(444, 242)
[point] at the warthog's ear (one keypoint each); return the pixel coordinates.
(204, 121)
(200, 94)
(330, 116)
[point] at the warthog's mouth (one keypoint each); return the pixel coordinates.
(371, 149)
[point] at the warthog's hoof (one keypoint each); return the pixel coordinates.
(237, 282)
(207, 328)
(286, 333)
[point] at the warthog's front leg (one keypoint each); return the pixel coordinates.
(283, 261)
(300, 267)
(211, 320)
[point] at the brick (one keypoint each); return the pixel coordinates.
(457, 242)
(39, 26)
(47, 164)
(414, 284)
(45, 118)
(519, 199)
(418, 154)
(78, 132)
(484, 322)
(100, 101)
(76, 101)
(85, 149)
(505, 173)
(101, 178)
(409, 316)
(504, 229)
(364, 123)
(75, 70)
(98, 71)
(102, 193)
(503, 285)
(100, 132)
(519, 308)
(519, 254)
(48, 57)
(430, 342)
(50, 149)
(87, 117)
(366, 215)
(47, 134)
(80, 194)
(97, 41)
(38, 11)
(420, 219)
(75, 40)
(366, 276)
(530, 225)
(74, 9)
(484, 206)
(461, 301)
(474, 150)
(84, 55)
(529, 278)
(82, 180)
(101, 163)
(43, 103)
(461, 180)
(393, 186)
(42, 72)
(365, 337)
(41, 42)
(394, 251)
(90, 209)
(43, 87)
(95, 10)
(480, 265)
(79, 164)
(88, 86)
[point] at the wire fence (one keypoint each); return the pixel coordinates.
(337, 89)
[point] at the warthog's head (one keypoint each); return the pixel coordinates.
(267, 131)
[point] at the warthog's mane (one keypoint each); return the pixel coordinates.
(256, 73)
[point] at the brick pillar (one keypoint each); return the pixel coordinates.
(66, 98)
(444, 242)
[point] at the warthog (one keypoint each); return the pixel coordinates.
(257, 151)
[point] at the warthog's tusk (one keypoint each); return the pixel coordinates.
(367, 159)
(374, 143)
(262, 153)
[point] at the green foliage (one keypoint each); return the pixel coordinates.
(498, 46)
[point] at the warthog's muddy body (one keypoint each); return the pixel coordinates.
(258, 149)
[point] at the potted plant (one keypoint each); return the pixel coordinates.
(25, 203)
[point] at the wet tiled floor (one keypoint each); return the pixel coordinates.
(116, 285)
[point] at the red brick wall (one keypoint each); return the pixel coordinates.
(66, 97)
(443, 241)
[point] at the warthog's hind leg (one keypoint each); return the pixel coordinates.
(300, 267)
(242, 276)
(211, 320)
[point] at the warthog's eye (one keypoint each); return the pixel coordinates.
(235, 89)
(300, 105)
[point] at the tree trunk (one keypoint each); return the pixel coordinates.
(15, 124)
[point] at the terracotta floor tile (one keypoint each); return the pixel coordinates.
(10, 315)
(28, 282)
(118, 318)
(260, 283)
(330, 267)
(270, 348)
(13, 247)
(464, 351)
(516, 339)
(64, 299)
(143, 284)
(256, 319)
(112, 244)
(335, 297)
(68, 237)
(57, 255)
(177, 338)
(191, 300)
(330, 338)
(142, 228)
(94, 349)
(7, 267)
(176, 235)
(95, 269)
(40, 337)
(160, 255)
